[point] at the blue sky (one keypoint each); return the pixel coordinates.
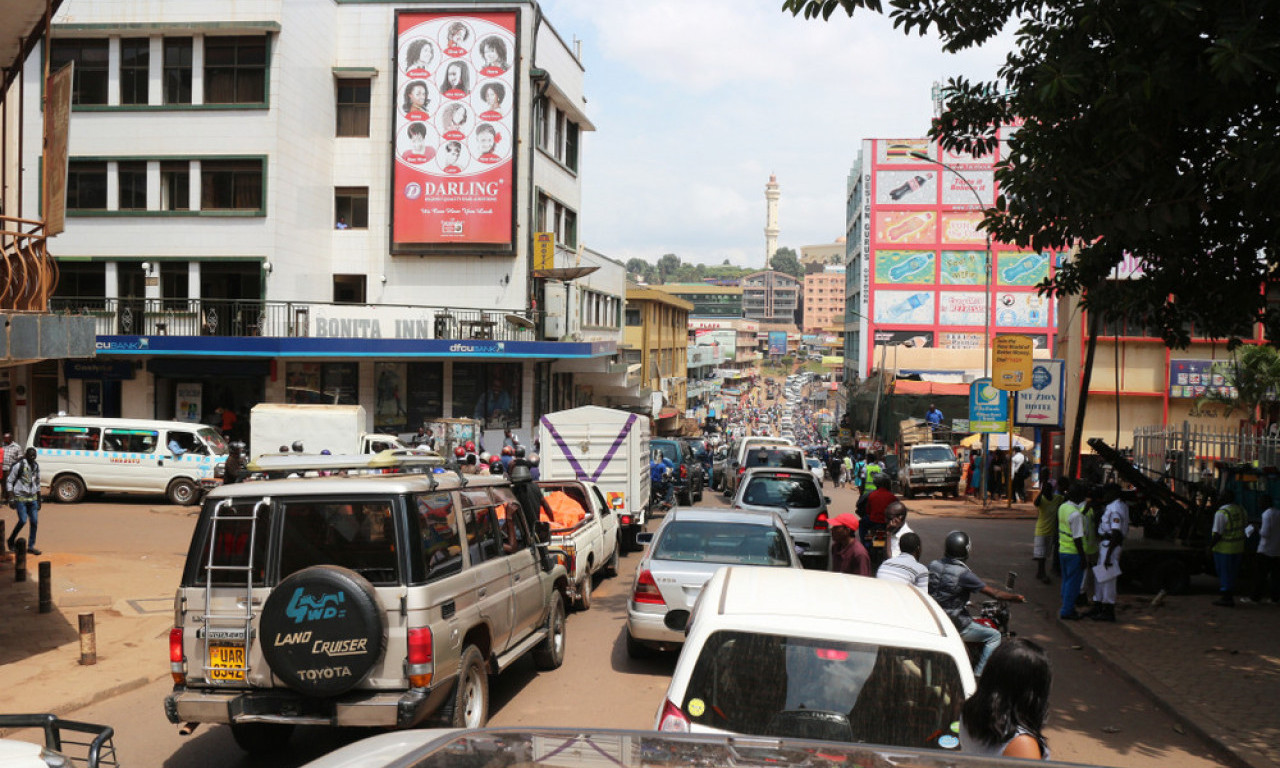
(696, 102)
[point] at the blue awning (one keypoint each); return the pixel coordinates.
(311, 347)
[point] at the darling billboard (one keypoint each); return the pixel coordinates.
(453, 180)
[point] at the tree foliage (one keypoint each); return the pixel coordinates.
(1148, 128)
(785, 260)
(1254, 372)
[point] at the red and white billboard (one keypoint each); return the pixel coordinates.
(453, 180)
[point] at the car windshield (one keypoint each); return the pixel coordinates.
(728, 543)
(782, 491)
(799, 687)
(930, 454)
(772, 457)
(217, 445)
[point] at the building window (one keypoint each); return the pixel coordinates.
(235, 70)
(349, 289)
(633, 316)
(231, 185)
(89, 83)
(175, 284)
(540, 133)
(351, 208)
(571, 146)
(132, 177)
(135, 63)
(177, 70)
(353, 107)
(86, 186)
(175, 185)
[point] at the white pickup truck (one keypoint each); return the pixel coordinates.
(593, 544)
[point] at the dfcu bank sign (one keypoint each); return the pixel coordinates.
(347, 348)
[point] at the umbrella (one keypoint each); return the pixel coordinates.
(998, 441)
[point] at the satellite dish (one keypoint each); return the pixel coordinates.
(520, 321)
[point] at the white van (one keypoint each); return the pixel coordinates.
(79, 454)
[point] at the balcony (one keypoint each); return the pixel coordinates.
(289, 319)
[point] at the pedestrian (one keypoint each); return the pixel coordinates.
(1092, 513)
(834, 468)
(1005, 716)
(23, 483)
(950, 584)
(906, 566)
(234, 467)
(896, 526)
(1071, 548)
(1019, 470)
(933, 416)
(846, 469)
(1268, 552)
(847, 553)
(1227, 544)
(1043, 544)
(975, 472)
(995, 475)
(227, 420)
(1112, 530)
(872, 510)
(12, 453)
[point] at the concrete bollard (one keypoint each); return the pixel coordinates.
(88, 641)
(46, 586)
(20, 561)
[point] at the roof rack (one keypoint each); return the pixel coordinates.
(389, 462)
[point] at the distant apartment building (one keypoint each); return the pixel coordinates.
(823, 299)
(707, 300)
(814, 258)
(770, 297)
(657, 338)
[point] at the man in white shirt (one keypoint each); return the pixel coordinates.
(1269, 551)
(1016, 463)
(895, 520)
(1112, 530)
(906, 566)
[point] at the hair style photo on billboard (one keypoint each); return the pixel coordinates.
(486, 141)
(418, 57)
(452, 158)
(492, 96)
(458, 34)
(416, 100)
(493, 55)
(453, 121)
(419, 149)
(455, 83)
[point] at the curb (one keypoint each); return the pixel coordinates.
(71, 705)
(1238, 757)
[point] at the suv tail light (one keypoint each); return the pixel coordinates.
(177, 662)
(646, 590)
(421, 662)
(820, 522)
(624, 519)
(672, 719)
(684, 472)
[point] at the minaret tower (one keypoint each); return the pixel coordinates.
(771, 195)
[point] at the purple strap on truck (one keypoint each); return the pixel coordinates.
(578, 471)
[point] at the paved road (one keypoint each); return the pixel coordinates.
(1096, 718)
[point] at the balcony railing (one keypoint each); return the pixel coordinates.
(243, 317)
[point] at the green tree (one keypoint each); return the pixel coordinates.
(1147, 129)
(785, 260)
(667, 266)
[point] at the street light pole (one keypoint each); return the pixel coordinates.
(986, 334)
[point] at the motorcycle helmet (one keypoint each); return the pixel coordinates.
(484, 458)
(297, 446)
(533, 459)
(519, 451)
(508, 451)
(957, 545)
(470, 446)
(459, 451)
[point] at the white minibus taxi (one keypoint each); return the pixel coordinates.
(82, 454)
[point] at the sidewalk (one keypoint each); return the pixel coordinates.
(1217, 670)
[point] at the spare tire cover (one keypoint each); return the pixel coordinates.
(321, 630)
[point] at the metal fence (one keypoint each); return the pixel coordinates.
(239, 317)
(1186, 454)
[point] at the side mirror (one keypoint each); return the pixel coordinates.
(826, 499)
(543, 530)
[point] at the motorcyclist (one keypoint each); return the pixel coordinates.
(951, 582)
(660, 470)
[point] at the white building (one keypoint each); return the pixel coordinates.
(299, 201)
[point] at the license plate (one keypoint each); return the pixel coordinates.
(226, 662)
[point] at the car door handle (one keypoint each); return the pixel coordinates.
(516, 577)
(484, 591)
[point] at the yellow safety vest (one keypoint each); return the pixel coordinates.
(869, 483)
(1066, 542)
(1090, 530)
(1232, 541)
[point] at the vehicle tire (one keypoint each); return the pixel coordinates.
(67, 489)
(468, 706)
(550, 652)
(685, 499)
(584, 594)
(611, 565)
(261, 738)
(627, 540)
(698, 498)
(328, 605)
(1170, 574)
(183, 492)
(637, 649)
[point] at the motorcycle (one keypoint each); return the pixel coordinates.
(994, 614)
(662, 492)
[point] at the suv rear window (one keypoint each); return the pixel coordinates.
(930, 454)
(670, 451)
(800, 492)
(441, 540)
(231, 546)
(772, 457)
(798, 687)
(359, 536)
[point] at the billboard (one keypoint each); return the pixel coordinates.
(1197, 378)
(453, 179)
(906, 267)
(914, 187)
(1021, 310)
(777, 343)
(1044, 403)
(904, 307)
(1018, 268)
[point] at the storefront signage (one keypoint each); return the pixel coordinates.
(1043, 404)
(988, 407)
(1197, 378)
(98, 369)
(1011, 362)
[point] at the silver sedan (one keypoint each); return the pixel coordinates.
(683, 554)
